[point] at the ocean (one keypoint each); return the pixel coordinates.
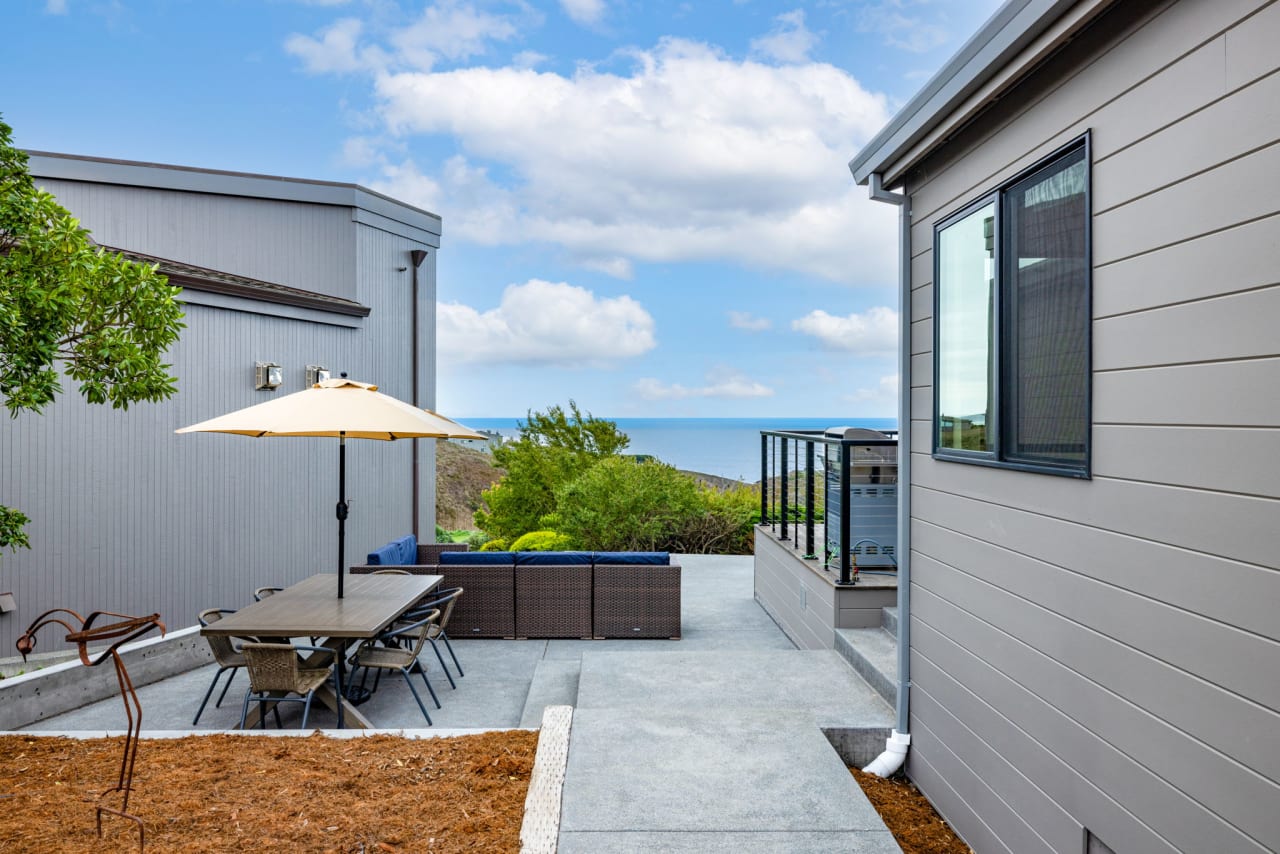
(727, 447)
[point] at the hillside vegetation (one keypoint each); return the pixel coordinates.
(462, 474)
(567, 481)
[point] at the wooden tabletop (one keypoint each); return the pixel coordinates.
(311, 608)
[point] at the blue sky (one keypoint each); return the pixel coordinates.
(646, 205)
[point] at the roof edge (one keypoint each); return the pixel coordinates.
(106, 170)
(190, 276)
(1005, 34)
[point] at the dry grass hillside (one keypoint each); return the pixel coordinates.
(461, 475)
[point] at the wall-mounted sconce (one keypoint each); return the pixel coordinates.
(316, 374)
(267, 375)
(7, 603)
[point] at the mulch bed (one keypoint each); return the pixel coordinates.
(234, 793)
(914, 822)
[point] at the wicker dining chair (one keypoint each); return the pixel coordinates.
(263, 592)
(275, 668)
(225, 652)
(391, 572)
(444, 602)
(372, 655)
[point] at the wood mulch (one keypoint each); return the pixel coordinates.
(315, 794)
(914, 822)
(235, 793)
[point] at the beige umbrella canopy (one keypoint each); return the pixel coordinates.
(342, 408)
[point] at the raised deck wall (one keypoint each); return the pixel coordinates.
(805, 601)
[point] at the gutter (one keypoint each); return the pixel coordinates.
(416, 257)
(895, 753)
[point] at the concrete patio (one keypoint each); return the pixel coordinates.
(721, 741)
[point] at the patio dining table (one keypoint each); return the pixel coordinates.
(310, 609)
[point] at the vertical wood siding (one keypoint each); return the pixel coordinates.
(301, 245)
(129, 517)
(1105, 654)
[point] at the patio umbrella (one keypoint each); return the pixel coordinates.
(342, 408)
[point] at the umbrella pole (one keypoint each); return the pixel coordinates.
(342, 506)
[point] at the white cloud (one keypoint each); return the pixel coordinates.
(451, 30)
(545, 323)
(874, 332)
(745, 320)
(690, 156)
(885, 392)
(361, 152)
(336, 50)
(900, 28)
(55, 7)
(585, 12)
(789, 40)
(723, 382)
(528, 59)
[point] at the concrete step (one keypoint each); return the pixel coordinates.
(710, 779)
(555, 683)
(873, 654)
(889, 620)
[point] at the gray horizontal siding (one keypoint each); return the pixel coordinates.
(1037, 695)
(1232, 326)
(1187, 394)
(1104, 653)
(798, 601)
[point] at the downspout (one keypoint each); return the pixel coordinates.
(417, 256)
(895, 753)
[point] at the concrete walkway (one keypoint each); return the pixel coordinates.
(722, 741)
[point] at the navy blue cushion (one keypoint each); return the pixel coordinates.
(553, 558)
(408, 547)
(477, 558)
(388, 555)
(634, 558)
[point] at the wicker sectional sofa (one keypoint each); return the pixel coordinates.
(554, 594)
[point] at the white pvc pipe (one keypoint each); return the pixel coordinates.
(895, 753)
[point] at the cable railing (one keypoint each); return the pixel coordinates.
(853, 516)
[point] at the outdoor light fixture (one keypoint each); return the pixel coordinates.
(316, 374)
(267, 375)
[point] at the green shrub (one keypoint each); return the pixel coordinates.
(477, 540)
(498, 545)
(725, 524)
(541, 541)
(622, 505)
(553, 449)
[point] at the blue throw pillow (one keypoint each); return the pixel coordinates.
(477, 558)
(553, 558)
(388, 555)
(634, 558)
(408, 547)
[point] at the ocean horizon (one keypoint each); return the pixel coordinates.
(726, 447)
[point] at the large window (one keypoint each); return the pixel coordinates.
(1012, 322)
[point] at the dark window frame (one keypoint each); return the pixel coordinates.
(1003, 326)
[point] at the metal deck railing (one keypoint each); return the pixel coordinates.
(856, 517)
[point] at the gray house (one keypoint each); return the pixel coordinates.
(126, 516)
(1091, 256)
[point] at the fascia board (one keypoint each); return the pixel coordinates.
(217, 182)
(998, 50)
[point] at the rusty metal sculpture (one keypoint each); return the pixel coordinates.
(120, 632)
